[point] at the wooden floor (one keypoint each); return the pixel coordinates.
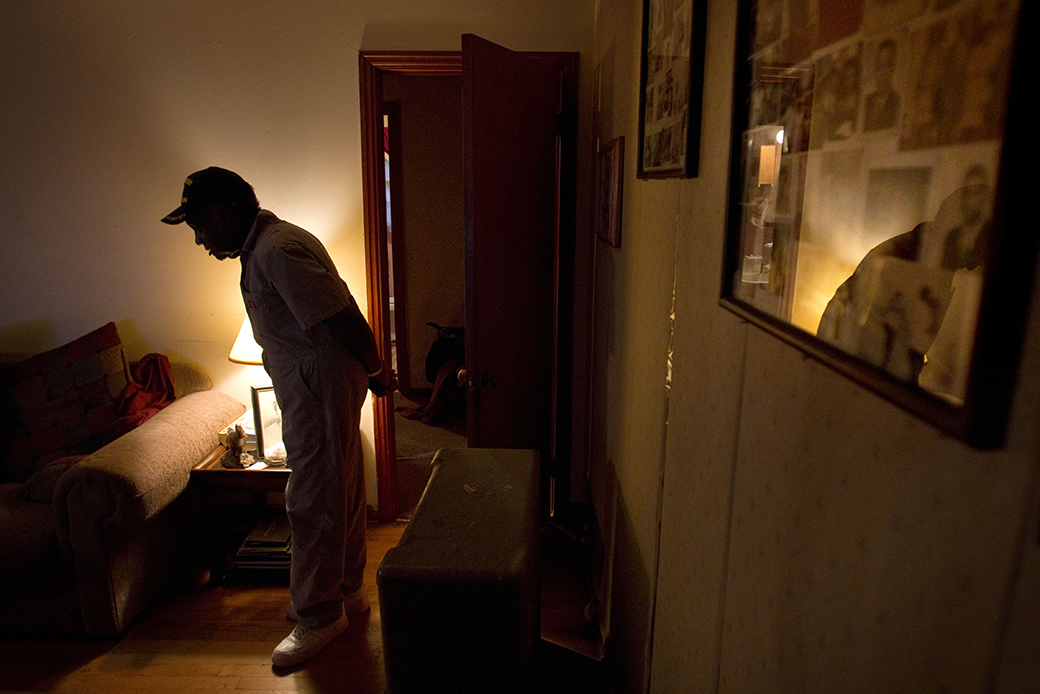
(220, 638)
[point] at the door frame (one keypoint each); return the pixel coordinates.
(372, 65)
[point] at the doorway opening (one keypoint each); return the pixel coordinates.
(425, 287)
(384, 252)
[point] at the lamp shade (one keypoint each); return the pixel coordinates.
(245, 350)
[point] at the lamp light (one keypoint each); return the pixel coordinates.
(245, 350)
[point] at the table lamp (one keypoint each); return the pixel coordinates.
(245, 350)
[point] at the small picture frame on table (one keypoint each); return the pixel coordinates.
(267, 420)
(610, 166)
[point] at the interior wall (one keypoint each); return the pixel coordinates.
(108, 106)
(429, 233)
(794, 532)
(630, 343)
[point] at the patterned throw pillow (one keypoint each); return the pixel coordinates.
(62, 402)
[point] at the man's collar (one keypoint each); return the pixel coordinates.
(264, 218)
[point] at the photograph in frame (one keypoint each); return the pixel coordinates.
(671, 84)
(267, 420)
(868, 198)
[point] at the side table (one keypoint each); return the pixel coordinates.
(215, 482)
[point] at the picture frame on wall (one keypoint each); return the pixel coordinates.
(610, 166)
(671, 84)
(877, 197)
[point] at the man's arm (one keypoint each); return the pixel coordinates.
(353, 331)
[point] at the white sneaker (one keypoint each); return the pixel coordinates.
(355, 603)
(303, 643)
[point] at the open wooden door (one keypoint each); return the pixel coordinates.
(510, 105)
(520, 201)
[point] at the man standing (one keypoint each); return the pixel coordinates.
(322, 358)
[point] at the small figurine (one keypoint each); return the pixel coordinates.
(234, 457)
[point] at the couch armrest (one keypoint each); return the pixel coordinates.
(118, 515)
(132, 479)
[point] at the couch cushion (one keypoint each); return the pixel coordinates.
(40, 485)
(29, 543)
(62, 402)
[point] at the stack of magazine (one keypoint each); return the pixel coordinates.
(268, 545)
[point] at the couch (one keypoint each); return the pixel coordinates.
(94, 518)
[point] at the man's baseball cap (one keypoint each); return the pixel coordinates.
(209, 185)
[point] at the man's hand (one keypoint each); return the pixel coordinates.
(350, 328)
(383, 383)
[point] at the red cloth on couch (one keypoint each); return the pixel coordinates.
(150, 391)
